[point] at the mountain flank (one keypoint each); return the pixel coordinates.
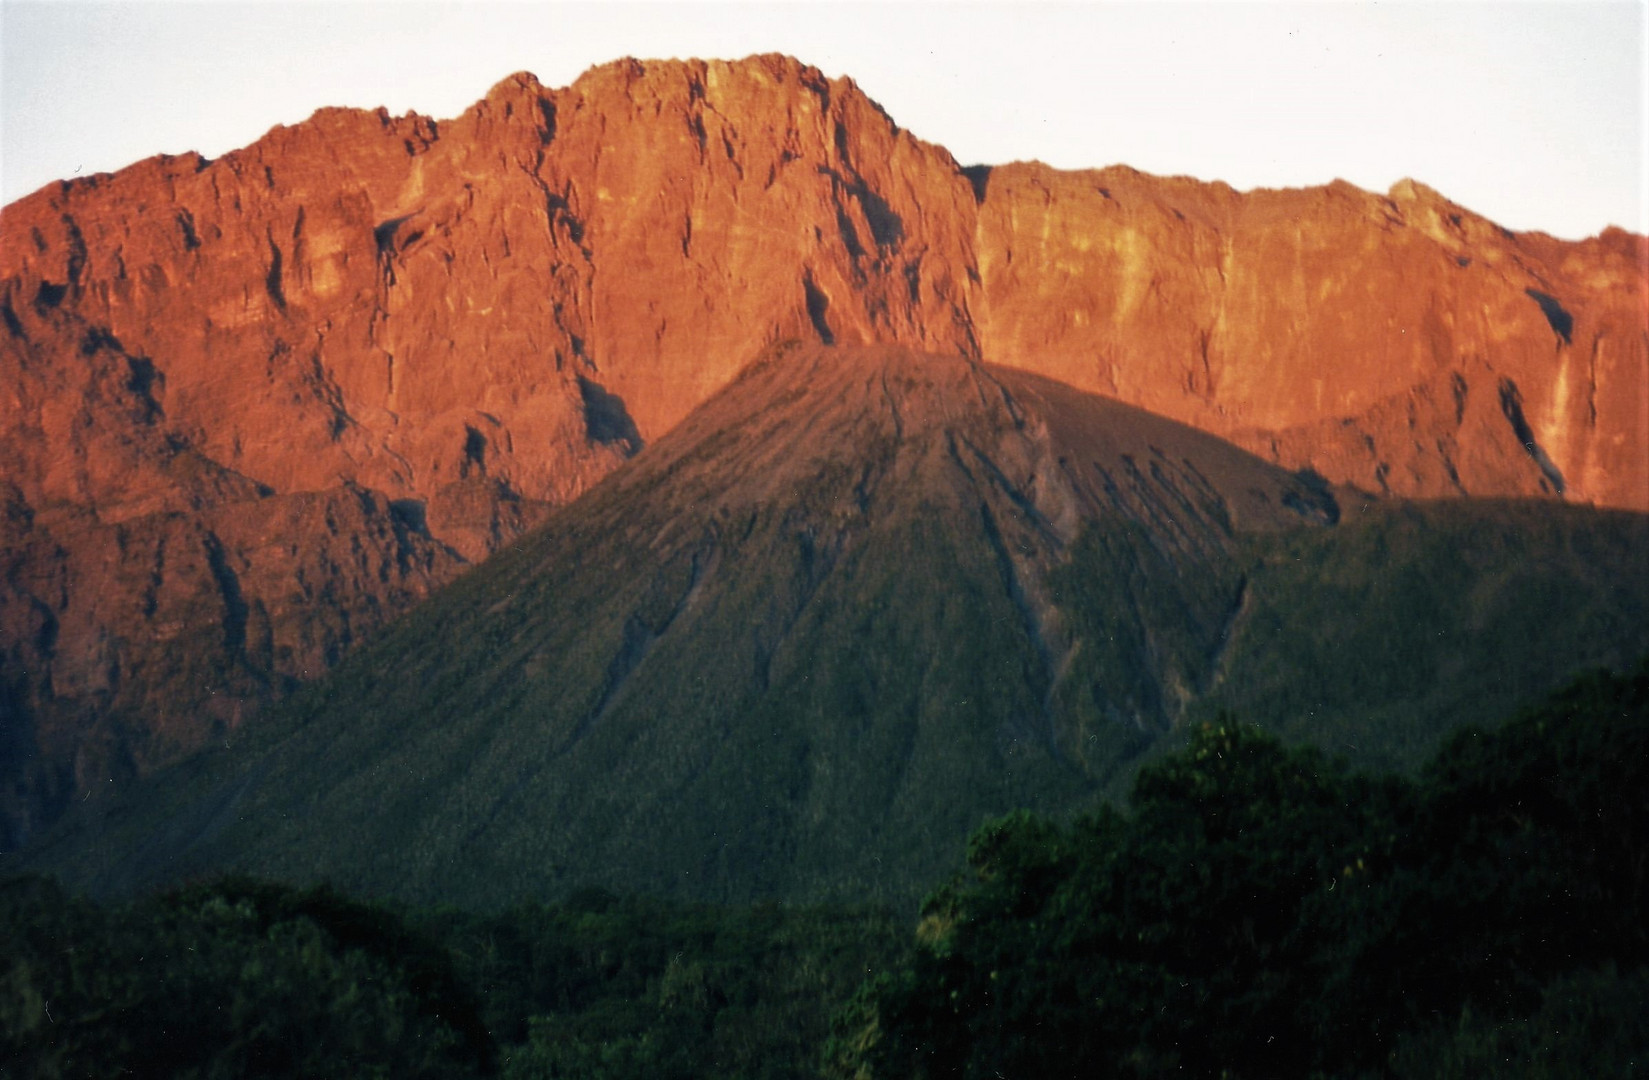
(856, 603)
(256, 407)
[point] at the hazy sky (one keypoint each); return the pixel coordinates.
(1533, 114)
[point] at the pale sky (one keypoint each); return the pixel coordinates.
(1532, 114)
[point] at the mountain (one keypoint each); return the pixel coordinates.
(256, 407)
(857, 602)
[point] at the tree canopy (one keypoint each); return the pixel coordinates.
(1260, 911)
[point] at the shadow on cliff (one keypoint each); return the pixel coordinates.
(607, 418)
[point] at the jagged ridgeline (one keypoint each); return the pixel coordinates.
(855, 604)
(254, 408)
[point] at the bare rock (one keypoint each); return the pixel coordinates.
(252, 408)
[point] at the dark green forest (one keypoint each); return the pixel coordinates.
(1255, 910)
(1259, 911)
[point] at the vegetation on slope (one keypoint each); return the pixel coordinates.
(1379, 638)
(1374, 639)
(743, 719)
(1257, 911)
(846, 612)
(232, 979)
(1261, 911)
(247, 979)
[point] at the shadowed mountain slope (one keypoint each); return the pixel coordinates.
(803, 644)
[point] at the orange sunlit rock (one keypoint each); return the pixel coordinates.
(253, 407)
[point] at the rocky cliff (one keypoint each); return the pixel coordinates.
(254, 407)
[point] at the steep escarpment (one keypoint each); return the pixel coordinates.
(1400, 342)
(453, 325)
(337, 366)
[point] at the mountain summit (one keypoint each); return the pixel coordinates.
(255, 407)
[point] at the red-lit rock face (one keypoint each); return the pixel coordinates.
(1399, 343)
(251, 408)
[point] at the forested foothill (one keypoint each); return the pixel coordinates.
(1255, 910)
(1258, 911)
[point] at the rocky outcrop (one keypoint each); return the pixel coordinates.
(272, 399)
(1399, 342)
